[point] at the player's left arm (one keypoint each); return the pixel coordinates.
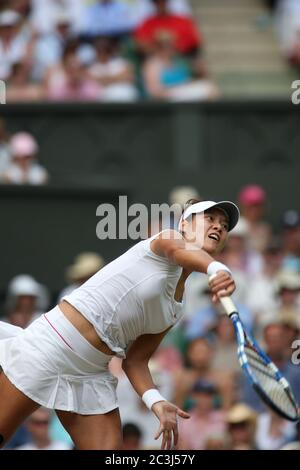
(137, 370)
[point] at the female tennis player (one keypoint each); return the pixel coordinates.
(61, 360)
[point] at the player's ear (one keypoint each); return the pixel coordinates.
(183, 226)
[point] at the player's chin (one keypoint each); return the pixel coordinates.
(211, 247)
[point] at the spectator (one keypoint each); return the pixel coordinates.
(207, 317)
(169, 77)
(85, 265)
(225, 357)
(113, 73)
(14, 43)
(205, 421)
(187, 38)
(38, 426)
(132, 436)
(242, 259)
(44, 15)
(261, 295)
(199, 354)
(178, 198)
(295, 445)
(288, 25)
(69, 80)
(143, 9)
(24, 169)
(241, 427)
(272, 431)
(252, 199)
(26, 300)
(275, 337)
(107, 18)
(288, 289)
(20, 87)
(49, 47)
(291, 240)
(4, 148)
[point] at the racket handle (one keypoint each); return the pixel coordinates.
(228, 305)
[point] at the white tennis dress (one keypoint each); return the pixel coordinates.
(52, 363)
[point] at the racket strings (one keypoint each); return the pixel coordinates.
(267, 379)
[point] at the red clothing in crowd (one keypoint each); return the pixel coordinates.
(187, 36)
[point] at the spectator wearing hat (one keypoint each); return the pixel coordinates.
(288, 289)
(291, 240)
(85, 266)
(241, 427)
(205, 421)
(24, 169)
(26, 300)
(14, 43)
(252, 199)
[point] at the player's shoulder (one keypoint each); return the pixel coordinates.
(168, 234)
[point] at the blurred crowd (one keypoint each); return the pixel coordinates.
(116, 50)
(196, 366)
(102, 50)
(285, 15)
(18, 159)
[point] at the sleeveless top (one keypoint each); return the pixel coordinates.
(131, 296)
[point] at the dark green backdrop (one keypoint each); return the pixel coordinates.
(94, 153)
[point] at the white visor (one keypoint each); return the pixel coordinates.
(228, 207)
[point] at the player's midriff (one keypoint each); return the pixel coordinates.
(84, 327)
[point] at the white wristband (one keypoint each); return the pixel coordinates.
(215, 266)
(152, 396)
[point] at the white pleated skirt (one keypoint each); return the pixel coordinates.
(54, 365)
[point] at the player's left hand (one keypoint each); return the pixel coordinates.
(222, 284)
(167, 414)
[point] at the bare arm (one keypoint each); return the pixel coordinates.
(192, 258)
(180, 252)
(136, 363)
(136, 368)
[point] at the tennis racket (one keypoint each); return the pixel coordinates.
(263, 375)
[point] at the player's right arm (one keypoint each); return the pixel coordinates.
(192, 259)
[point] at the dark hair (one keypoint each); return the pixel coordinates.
(189, 203)
(131, 430)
